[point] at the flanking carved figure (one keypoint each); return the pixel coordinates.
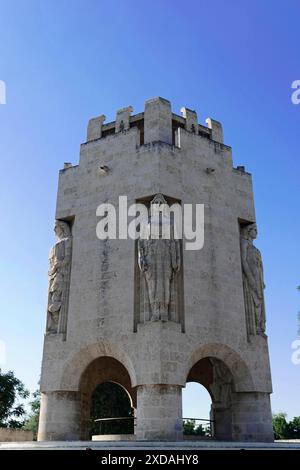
(253, 281)
(59, 278)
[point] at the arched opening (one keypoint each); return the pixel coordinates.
(105, 388)
(196, 411)
(111, 404)
(215, 376)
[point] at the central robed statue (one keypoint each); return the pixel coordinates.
(159, 258)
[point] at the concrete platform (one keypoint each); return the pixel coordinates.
(113, 437)
(148, 445)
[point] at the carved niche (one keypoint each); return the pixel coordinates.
(159, 288)
(253, 282)
(59, 279)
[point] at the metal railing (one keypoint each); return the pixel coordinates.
(191, 426)
(112, 419)
(102, 422)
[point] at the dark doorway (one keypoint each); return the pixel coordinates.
(111, 400)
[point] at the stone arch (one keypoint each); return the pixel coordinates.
(92, 365)
(223, 372)
(201, 372)
(76, 366)
(242, 377)
(101, 370)
(215, 376)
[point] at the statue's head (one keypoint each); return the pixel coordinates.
(158, 199)
(250, 231)
(159, 217)
(61, 229)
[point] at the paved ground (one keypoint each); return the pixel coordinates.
(123, 445)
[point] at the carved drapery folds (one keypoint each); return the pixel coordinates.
(59, 279)
(221, 386)
(253, 282)
(159, 279)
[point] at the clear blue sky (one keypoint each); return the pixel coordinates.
(66, 61)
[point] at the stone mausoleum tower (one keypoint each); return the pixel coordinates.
(153, 316)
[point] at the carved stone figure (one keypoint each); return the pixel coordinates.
(253, 281)
(59, 272)
(159, 261)
(221, 386)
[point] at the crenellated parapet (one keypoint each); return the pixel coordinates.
(156, 124)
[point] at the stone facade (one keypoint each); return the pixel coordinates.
(210, 339)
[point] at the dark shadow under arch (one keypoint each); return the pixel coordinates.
(101, 370)
(111, 400)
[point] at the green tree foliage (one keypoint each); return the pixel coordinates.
(280, 426)
(111, 400)
(294, 428)
(191, 429)
(32, 421)
(12, 411)
(284, 429)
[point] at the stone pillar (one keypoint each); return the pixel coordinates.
(216, 130)
(159, 413)
(123, 119)
(191, 120)
(252, 417)
(94, 130)
(59, 416)
(222, 425)
(158, 121)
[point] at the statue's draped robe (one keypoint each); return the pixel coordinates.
(58, 273)
(158, 259)
(254, 298)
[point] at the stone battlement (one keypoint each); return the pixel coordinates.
(156, 123)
